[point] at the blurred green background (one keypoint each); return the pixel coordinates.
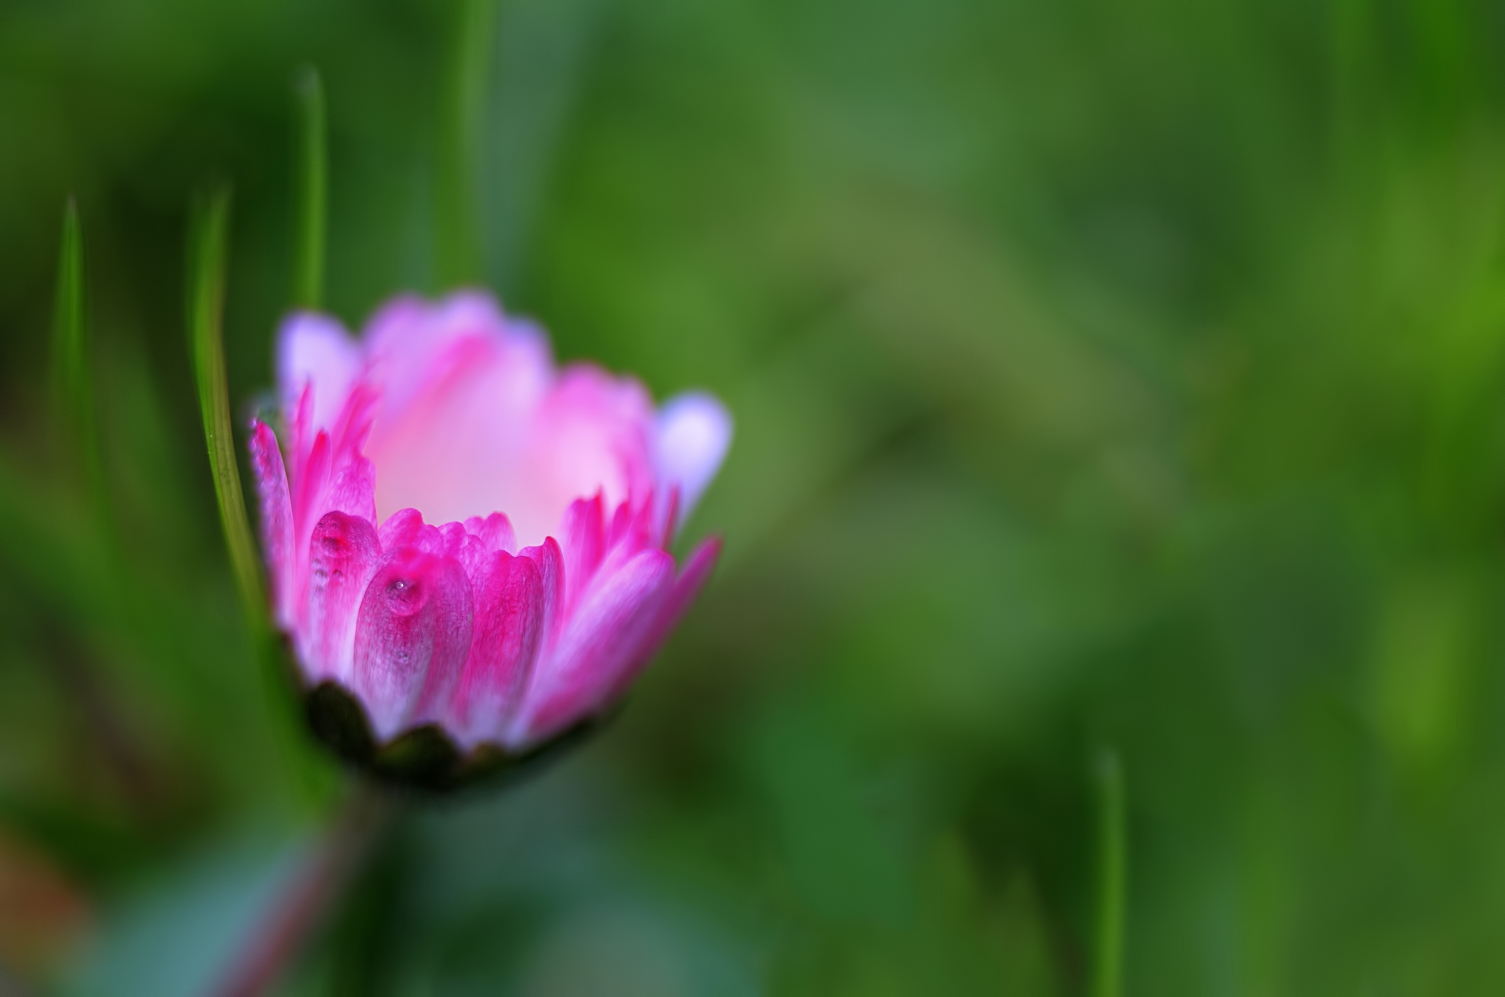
(1105, 374)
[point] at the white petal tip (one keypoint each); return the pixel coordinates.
(691, 436)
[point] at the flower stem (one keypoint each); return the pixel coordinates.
(303, 907)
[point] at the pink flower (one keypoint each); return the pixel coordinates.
(467, 536)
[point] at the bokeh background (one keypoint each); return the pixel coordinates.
(1108, 376)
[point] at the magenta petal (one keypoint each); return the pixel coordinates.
(354, 490)
(343, 555)
(582, 540)
(495, 531)
(505, 639)
(352, 429)
(411, 639)
(550, 561)
(276, 520)
(465, 547)
(406, 528)
(634, 528)
(602, 639)
(299, 425)
(453, 536)
(309, 481)
(692, 578)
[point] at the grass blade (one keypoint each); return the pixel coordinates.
(207, 260)
(208, 240)
(72, 394)
(457, 235)
(1112, 846)
(68, 320)
(71, 398)
(312, 191)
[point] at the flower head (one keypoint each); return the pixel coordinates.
(464, 536)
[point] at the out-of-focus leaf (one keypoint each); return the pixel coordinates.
(177, 934)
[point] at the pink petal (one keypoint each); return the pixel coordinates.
(582, 540)
(472, 554)
(634, 527)
(276, 520)
(397, 319)
(310, 486)
(411, 639)
(406, 528)
(692, 578)
(495, 532)
(668, 512)
(300, 430)
(508, 629)
(465, 547)
(691, 435)
(590, 434)
(313, 351)
(344, 554)
(353, 490)
(309, 481)
(453, 535)
(460, 390)
(621, 525)
(550, 561)
(352, 427)
(409, 338)
(453, 448)
(600, 641)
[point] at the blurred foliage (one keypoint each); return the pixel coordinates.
(1105, 373)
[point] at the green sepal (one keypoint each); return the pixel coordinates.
(426, 758)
